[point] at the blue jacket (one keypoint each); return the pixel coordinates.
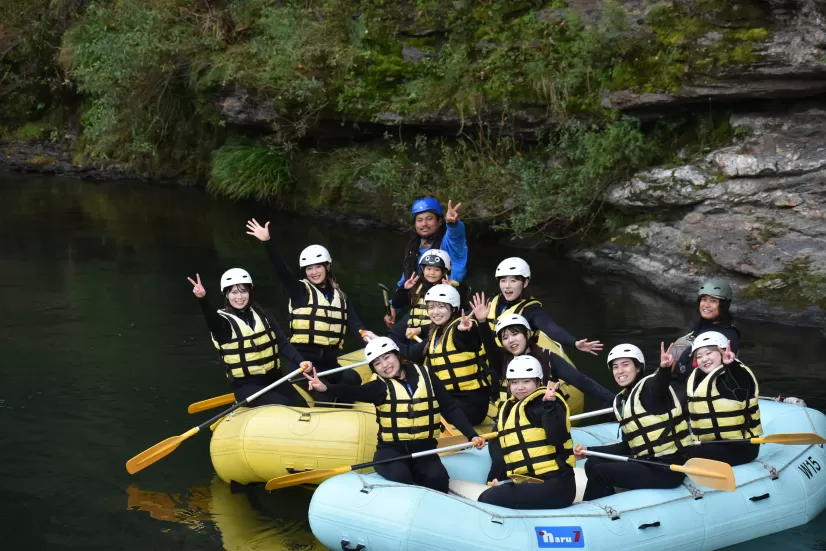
(453, 243)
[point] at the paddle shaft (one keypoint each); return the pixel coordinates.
(591, 414)
(249, 398)
(385, 291)
(434, 451)
(336, 370)
(625, 458)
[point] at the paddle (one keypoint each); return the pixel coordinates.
(162, 449)
(230, 398)
(312, 476)
(705, 472)
(788, 439)
(385, 291)
(218, 401)
(517, 479)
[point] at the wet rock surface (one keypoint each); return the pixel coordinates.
(754, 212)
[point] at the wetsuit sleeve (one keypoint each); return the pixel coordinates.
(620, 448)
(656, 396)
(566, 371)
(468, 341)
(498, 469)
(496, 356)
(554, 421)
(218, 325)
(737, 384)
(401, 299)
(354, 322)
(295, 289)
(540, 319)
(373, 392)
(414, 352)
(455, 244)
(285, 347)
(450, 410)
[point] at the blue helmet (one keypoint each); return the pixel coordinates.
(427, 204)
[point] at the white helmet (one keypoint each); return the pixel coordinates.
(443, 293)
(314, 254)
(378, 347)
(435, 257)
(511, 319)
(626, 351)
(709, 338)
(234, 276)
(524, 367)
(513, 266)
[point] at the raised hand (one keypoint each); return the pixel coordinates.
(452, 215)
(728, 355)
(410, 283)
(550, 394)
(478, 442)
(197, 288)
(589, 346)
(259, 231)
(390, 319)
(314, 382)
(480, 307)
(466, 324)
(666, 358)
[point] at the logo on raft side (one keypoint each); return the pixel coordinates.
(556, 537)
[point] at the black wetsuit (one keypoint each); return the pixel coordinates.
(554, 367)
(474, 403)
(683, 367)
(605, 474)
(425, 471)
(323, 357)
(540, 320)
(244, 387)
(559, 487)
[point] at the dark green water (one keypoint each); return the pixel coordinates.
(103, 347)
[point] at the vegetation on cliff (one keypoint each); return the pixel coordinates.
(145, 79)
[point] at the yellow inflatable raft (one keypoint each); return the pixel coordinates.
(257, 444)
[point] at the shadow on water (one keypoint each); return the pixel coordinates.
(104, 347)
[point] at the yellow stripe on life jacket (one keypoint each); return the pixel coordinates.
(459, 371)
(713, 417)
(251, 350)
(405, 417)
(515, 308)
(321, 322)
(648, 434)
(418, 312)
(525, 446)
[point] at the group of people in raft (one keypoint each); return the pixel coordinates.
(506, 350)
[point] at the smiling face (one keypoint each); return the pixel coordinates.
(432, 274)
(511, 287)
(427, 224)
(387, 365)
(709, 307)
(514, 341)
(625, 371)
(708, 358)
(238, 296)
(521, 388)
(439, 312)
(316, 273)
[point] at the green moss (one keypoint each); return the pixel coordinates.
(796, 286)
(40, 160)
(249, 171)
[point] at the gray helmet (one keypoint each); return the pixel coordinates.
(716, 287)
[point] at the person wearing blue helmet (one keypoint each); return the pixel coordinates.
(434, 229)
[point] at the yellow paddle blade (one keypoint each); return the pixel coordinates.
(303, 478)
(157, 452)
(709, 473)
(521, 478)
(791, 439)
(218, 401)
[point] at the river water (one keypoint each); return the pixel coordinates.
(103, 347)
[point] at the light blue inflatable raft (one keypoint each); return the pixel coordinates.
(784, 488)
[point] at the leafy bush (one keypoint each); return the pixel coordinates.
(249, 172)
